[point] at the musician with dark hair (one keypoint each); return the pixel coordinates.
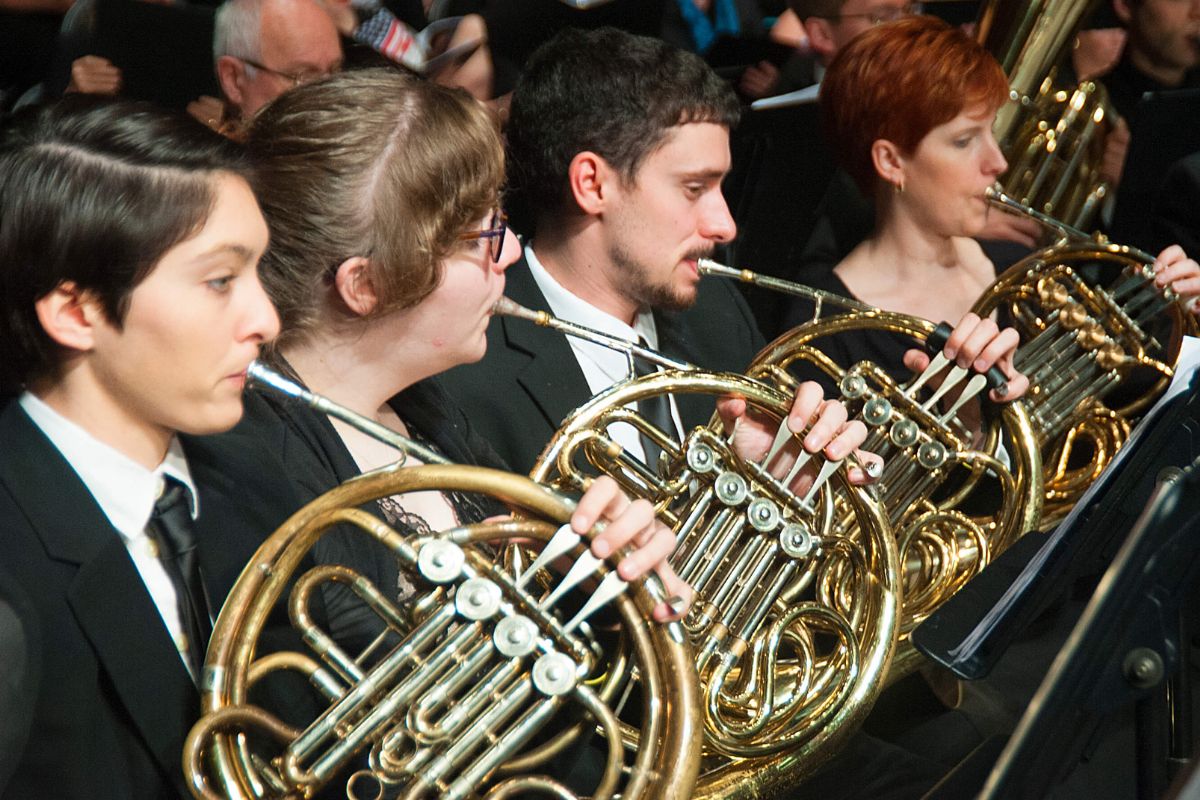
(619, 220)
(618, 145)
(130, 308)
(831, 24)
(1162, 51)
(388, 251)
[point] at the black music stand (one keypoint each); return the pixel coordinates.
(969, 633)
(1125, 650)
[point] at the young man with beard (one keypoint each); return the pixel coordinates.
(618, 145)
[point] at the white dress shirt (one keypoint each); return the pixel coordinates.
(126, 492)
(602, 366)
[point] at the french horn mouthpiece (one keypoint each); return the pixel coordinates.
(259, 372)
(505, 305)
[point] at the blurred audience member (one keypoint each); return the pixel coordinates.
(28, 29)
(452, 51)
(1162, 51)
(696, 25)
(262, 48)
(827, 26)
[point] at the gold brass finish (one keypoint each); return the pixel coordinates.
(447, 702)
(952, 502)
(1099, 341)
(1053, 136)
(794, 622)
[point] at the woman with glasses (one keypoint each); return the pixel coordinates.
(388, 250)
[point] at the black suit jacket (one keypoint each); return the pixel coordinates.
(529, 381)
(114, 701)
(20, 671)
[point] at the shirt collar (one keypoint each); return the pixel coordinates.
(124, 490)
(571, 307)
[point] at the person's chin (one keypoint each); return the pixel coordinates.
(477, 353)
(220, 415)
(974, 223)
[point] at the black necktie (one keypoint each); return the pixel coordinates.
(170, 527)
(655, 409)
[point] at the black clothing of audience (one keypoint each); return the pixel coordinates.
(1126, 85)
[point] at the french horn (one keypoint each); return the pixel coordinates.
(455, 698)
(952, 501)
(795, 620)
(1099, 344)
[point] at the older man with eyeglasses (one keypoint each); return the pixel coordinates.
(262, 48)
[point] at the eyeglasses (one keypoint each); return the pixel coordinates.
(297, 78)
(495, 230)
(878, 16)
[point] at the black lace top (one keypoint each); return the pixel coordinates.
(284, 454)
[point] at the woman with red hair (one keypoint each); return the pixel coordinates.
(908, 108)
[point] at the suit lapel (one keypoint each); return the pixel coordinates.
(110, 602)
(552, 378)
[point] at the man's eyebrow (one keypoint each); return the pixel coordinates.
(703, 174)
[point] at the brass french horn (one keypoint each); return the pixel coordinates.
(455, 698)
(1099, 343)
(795, 619)
(952, 502)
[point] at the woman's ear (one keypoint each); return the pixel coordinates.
(889, 163)
(353, 282)
(69, 315)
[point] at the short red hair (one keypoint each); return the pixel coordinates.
(898, 81)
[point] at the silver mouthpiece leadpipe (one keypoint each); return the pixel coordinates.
(511, 308)
(1067, 233)
(262, 376)
(708, 267)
